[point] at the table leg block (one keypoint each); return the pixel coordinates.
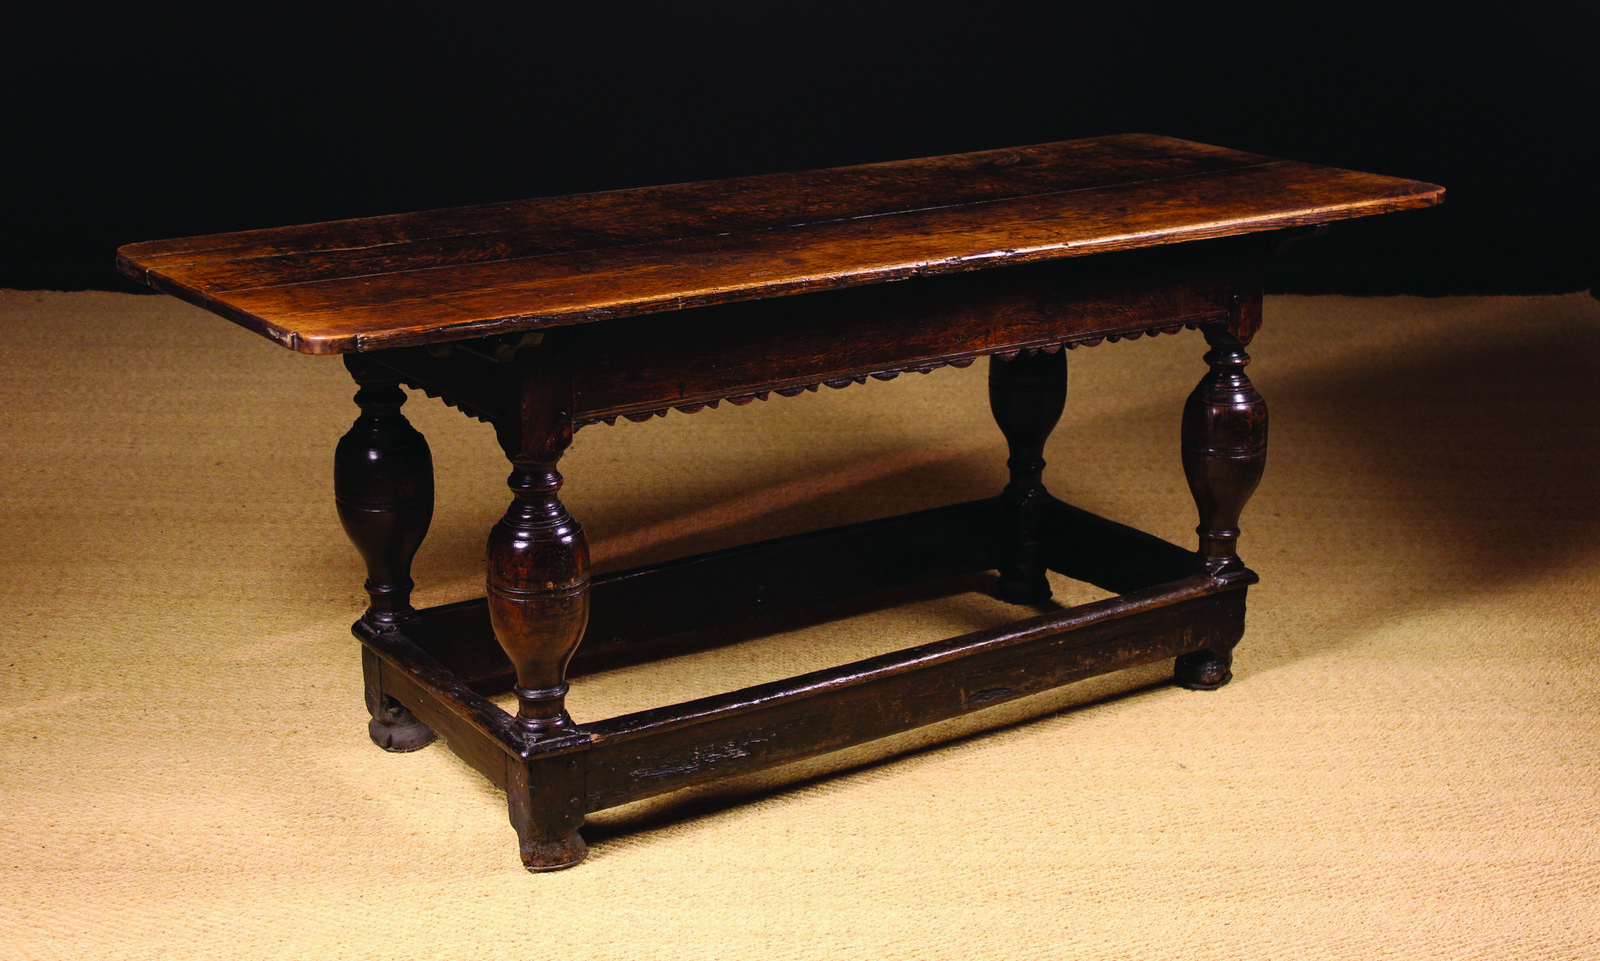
(393, 727)
(474, 727)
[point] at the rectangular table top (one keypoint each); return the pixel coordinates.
(441, 275)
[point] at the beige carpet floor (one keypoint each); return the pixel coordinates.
(1406, 765)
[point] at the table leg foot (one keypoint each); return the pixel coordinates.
(545, 801)
(393, 727)
(1015, 590)
(1203, 670)
(554, 855)
(397, 730)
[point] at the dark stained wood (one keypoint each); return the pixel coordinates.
(1027, 393)
(383, 489)
(474, 727)
(545, 799)
(1111, 556)
(638, 367)
(650, 752)
(359, 285)
(393, 726)
(545, 316)
(669, 607)
(1224, 444)
(538, 557)
(663, 610)
(638, 755)
(675, 607)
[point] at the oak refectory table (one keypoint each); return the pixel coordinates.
(546, 316)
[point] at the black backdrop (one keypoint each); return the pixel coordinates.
(137, 123)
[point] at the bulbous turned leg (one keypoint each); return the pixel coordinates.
(538, 591)
(1224, 454)
(1224, 449)
(539, 595)
(383, 485)
(1027, 395)
(383, 488)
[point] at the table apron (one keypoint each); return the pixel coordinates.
(644, 366)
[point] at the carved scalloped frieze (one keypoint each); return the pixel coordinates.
(448, 401)
(890, 373)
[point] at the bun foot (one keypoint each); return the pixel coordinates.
(1203, 670)
(554, 855)
(1023, 590)
(396, 729)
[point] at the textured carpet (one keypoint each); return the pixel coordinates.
(1404, 767)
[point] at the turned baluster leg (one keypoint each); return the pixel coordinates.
(1027, 395)
(1224, 454)
(538, 594)
(383, 486)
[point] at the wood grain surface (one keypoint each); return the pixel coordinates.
(445, 275)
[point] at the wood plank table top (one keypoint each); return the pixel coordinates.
(443, 275)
